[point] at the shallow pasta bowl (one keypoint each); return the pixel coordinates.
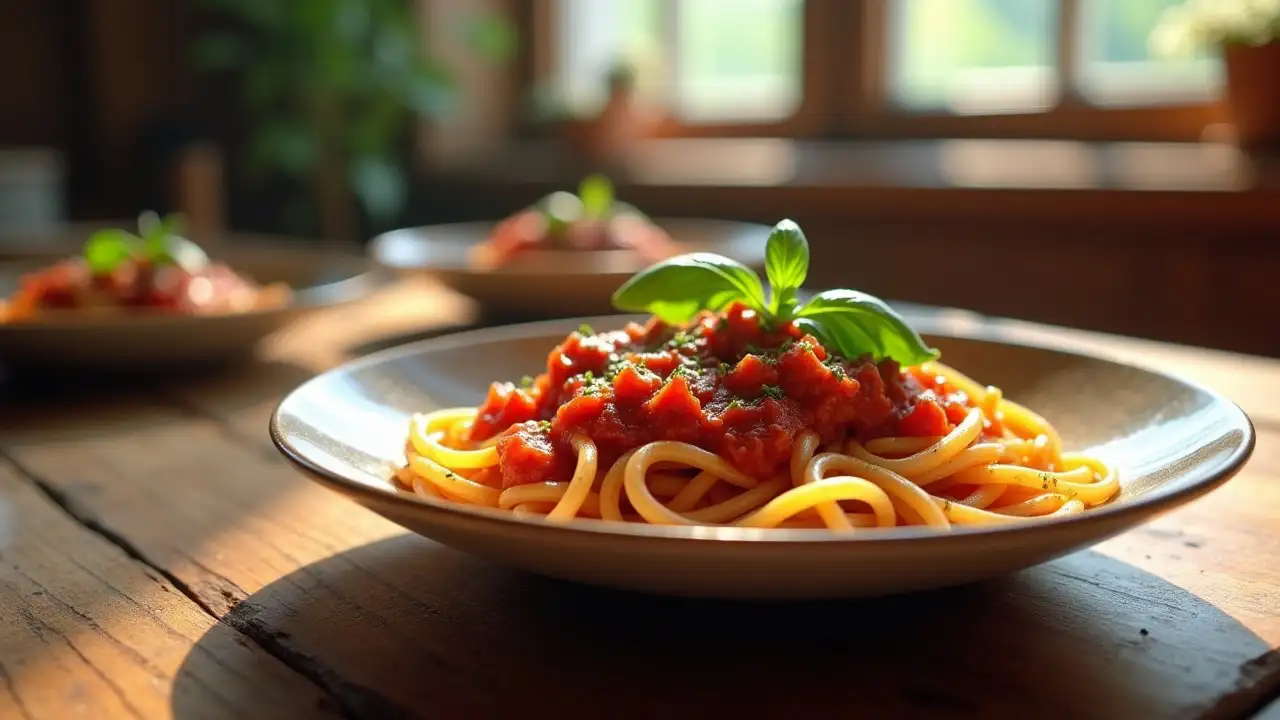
(1172, 441)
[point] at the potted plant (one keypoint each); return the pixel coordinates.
(1245, 32)
(331, 89)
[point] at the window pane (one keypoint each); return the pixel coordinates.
(593, 35)
(738, 59)
(707, 60)
(1117, 67)
(973, 56)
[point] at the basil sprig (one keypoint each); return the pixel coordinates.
(594, 201)
(849, 322)
(157, 242)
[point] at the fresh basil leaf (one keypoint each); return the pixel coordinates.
(676, 289)
(786, 264)
(596, 194)
(105, 250)
(841, 338)
(149, 225)
(179, 251)
(858, 323)
(560, 210)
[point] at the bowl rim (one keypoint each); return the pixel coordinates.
(1128, 514)
(567, 262)
(363, 280)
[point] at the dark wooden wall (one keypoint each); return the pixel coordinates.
(95, 80)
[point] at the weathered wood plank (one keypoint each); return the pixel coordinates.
(245, 397)
(87, 631)
(397, 624)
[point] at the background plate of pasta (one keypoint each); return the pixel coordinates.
(108, 296)
(560, 257)
(733, 441)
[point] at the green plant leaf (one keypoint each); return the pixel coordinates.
(492, 35)
(283, 146)
(429, 93)
(596, 194)
(219, 51)
(857, 323)
(380, 186)
(105, 250)
(786, 265)
(675, 290)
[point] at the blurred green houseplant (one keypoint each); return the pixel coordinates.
(331, 88)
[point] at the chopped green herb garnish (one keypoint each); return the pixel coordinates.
(681, 341)
(735, 405)
(585, 330)
(772, 391)
(544, 425)
(683, 371)
(526, 382)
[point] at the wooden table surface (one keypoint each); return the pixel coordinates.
(159, 559)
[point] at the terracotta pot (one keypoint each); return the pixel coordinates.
(1254, 94)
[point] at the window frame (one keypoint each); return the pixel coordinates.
(839, 33)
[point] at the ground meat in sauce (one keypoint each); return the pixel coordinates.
(70, 284)
(723, 383)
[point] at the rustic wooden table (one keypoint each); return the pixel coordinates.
(158, 558)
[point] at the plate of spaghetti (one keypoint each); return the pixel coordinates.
(564, 255)
(735, 441)
(156, 297)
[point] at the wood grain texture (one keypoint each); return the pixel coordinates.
(1176, 619)
(87, 631)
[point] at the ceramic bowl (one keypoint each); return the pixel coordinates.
(1172, 441)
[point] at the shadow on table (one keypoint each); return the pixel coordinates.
(72, 404)
(405, 627)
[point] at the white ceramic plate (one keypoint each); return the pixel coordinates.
(1171, 440)
(551, 283)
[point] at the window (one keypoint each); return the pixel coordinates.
(1064, 68)
(706, 60)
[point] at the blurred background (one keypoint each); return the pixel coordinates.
(1026, 158)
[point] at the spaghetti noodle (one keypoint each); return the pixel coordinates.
(730, 421)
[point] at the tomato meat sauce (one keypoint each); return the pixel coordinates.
(725, 383)
(71, 285)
